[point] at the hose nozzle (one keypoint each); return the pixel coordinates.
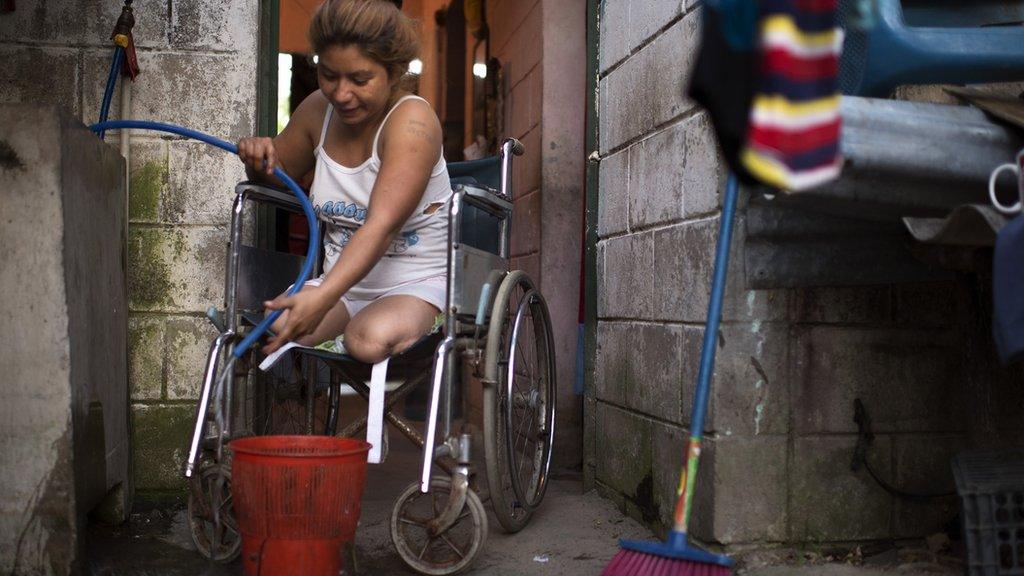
(123, 29)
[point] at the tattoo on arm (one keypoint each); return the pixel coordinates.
(418, 129)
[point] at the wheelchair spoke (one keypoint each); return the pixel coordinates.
(452, 546)
(420, 523)
(424, 549)
(523, 461)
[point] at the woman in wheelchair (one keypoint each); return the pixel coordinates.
(380, 185)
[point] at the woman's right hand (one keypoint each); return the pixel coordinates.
(258, 154)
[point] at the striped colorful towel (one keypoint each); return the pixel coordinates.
(793, 130)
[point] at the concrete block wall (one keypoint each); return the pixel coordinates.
(198, 60)
(780, 431)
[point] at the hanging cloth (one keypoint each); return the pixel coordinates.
(792, 142)
(724, 77)
(1007, 286)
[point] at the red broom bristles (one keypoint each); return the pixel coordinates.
(632, 563)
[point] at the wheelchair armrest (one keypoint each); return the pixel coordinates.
(260, 192)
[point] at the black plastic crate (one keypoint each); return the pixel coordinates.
(991, 489)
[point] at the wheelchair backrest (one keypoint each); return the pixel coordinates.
(483, 172)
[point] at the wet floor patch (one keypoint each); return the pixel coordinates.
(153, 542)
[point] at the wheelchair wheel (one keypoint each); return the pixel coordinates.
(519, 410)
(450, 552)
(212, 520)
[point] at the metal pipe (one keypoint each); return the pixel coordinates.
(204, 402)
(910, 159)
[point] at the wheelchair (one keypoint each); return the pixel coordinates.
(496, 327)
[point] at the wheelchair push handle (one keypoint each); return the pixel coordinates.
(514, 146)
(509, 148)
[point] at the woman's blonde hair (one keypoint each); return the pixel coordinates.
(377, 27)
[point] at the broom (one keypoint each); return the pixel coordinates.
(676, 557)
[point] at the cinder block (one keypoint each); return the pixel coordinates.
(188, 345)
(750, 390)
(909, 381)
(89, 23)
(607, 118)
(669, 453)
(683, 263)
(146, 351)
(658, 388)
(176, 269)
(647, 18)
(160, 445)
(613, 194)
(614, 32)
(827, 501)
(639, 367)
(149, 175)
(623, 448)
(704, 177)
(674, 174)
(615, 363)
(931, 305)
(627, 277)
(29, 76)
(202, 184)
(744, 483)
(623, 107)
(844, 305)
(228, 26)
(655, 181)
(182, 88)
(740, 304)
(923, 466)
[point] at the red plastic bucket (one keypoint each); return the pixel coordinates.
(297, 501)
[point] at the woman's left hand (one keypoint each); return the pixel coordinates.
(303, 313)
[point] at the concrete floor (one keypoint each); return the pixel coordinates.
(572, 534)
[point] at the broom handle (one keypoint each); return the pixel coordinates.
(688, 476)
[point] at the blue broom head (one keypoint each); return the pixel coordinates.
(678, 548)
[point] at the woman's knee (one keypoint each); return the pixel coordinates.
(368, 344)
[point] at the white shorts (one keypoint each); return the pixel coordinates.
(431, 290)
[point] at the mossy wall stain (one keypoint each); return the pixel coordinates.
(160, 445)
(145, 358)
(149, 272)
(144, 189)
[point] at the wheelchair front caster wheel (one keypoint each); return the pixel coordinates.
(211, 516)
(448, 552)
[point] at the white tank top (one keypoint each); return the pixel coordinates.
(340, 196)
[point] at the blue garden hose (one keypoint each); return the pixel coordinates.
(307, 208)
(115, 70)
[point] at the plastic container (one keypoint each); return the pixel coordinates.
(991, 490)
(297, 501)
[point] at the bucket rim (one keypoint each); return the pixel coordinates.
(317, 446)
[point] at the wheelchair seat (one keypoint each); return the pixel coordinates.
(421, 350)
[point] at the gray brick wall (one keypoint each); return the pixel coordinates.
(198, 61)
(780, 431)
